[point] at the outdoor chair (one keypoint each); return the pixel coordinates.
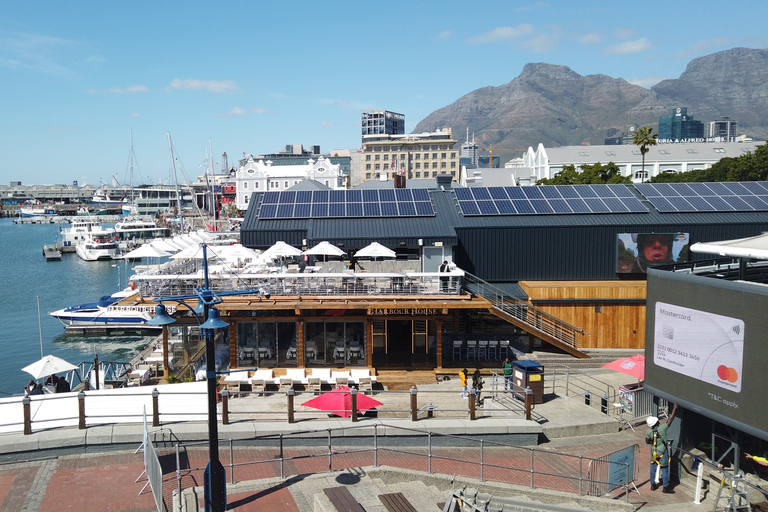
(471, 349)
(504, 349)
(286, 383)
(364, 384)
(314, 384)
(457, 346)
(493, 352)
(482, 349)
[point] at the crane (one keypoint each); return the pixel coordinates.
(491, 149)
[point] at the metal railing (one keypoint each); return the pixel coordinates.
(532, 317)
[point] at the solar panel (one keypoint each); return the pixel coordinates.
(302, 210)
(744, 196)
(268, 211)
(403, 194)
(406, 209)
(481, 194)
(487, 208)
(270, 198)
(284, 211)
(371, 209)
(420, 194)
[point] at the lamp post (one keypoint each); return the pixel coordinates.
(119, 281)
(215, 488)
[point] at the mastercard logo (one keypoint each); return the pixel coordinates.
(727, 373)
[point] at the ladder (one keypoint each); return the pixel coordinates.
(738, 498)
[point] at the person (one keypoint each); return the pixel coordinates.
(444, 280)
(656, 436)
(463, 380)
(507, 366)
(62, 386)
(760, 460)
(653, 249)
(477, 383)
(37, 390)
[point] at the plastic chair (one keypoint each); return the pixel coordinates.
(482, 349)
(472, 348)
(457, 346)
(504, 349)
(493, 346)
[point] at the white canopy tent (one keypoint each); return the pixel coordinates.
(753, 247)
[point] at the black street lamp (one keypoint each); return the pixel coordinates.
(215, 488)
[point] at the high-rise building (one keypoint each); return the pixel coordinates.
(382, 122)
(416, 155)
(679, 126)
(723, 129)
(470, 152)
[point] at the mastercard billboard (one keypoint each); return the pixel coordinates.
(707, 347)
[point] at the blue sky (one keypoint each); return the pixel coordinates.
(251, 77)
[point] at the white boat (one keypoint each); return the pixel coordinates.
(139, 230)
(93, 249)
(105, 314)
(38, 211)
(79, 230)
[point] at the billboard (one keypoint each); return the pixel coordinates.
(706, 347)
(637, 251)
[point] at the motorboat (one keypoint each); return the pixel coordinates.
(93, 249)
(79, 230)
(139, 230)
(105, 314)
(38, 212)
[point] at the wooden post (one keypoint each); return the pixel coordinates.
(155, 408)
(414, 403)
(528, 403)
(225, 406)
(96, 369)
(81, 410)
(439, 343)
(471, 403)
(353, 403)
(27, 416)
(290, 394)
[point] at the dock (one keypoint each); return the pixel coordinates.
(51, 252)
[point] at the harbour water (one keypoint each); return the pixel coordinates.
(25, 275)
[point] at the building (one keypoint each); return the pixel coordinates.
(255, 176)
(382, 122)
(470, 152)
(679, 126)
(724, 129)
(423, 155)
(662, 158)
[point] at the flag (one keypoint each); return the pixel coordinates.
(394, 164)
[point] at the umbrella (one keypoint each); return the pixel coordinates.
(193, 252)
(146, 251)
(48, 366)
(166, 245)
(324, 249)
(375, 251)
(339, 401)
(281, 249)
(633, 366)
(234, 252)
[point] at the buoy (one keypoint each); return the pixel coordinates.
(133, 285)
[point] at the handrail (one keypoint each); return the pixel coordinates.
(525, 312)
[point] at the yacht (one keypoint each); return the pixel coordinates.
(79, 230)
(93, 249)
(105, 314)
(139, 230)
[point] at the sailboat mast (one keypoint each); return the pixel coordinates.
(130, 160)
(176, 184)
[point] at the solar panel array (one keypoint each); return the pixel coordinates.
(744, 196)
(318, 204)
(552, 199)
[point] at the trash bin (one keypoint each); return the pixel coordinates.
(529, 374)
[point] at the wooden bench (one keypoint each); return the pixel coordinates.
(343, 500)
(396, 502)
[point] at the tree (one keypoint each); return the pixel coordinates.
(589, 174)
(645, 138)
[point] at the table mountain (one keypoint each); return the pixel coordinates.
(556, 106)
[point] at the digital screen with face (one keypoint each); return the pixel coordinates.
(638, 251)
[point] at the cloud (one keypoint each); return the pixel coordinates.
(128, 89)
(241, 112)
(627, 47)
(703, 47)
(502, 34)
(624, 33)
(647, 81)
(544, 42)
(202, 85)
(326, 123)
(35, 52)
(445, 34)
(591, 38)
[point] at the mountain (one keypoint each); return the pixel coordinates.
(556, 106)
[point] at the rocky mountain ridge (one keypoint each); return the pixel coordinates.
(555, 106)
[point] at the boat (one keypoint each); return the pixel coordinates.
(139, 230)
(106, 315)
(38, 212)
(79, 230)
(93, 249)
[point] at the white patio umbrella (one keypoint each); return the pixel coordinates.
(375, 251)
(166, 245)
(48, 365)
(193, 252)
(324, 249)
(234, 253)
(281, 249)
(146, 251)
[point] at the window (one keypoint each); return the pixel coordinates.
(434, 174)
(692, 151)
(583, 153)
(378, 166)
(418, 165)
(285, 184)
(245, 185)
(641, 175)
(426, 156)
(386, 157)
(434, 156)
(256, 184)
(442, 155)
(418, 175)
(435, 148)
(442, 165)
(453, 173)
(453, 155)
(367, 175)
(443, 147)
(402, 156)
(636, 152)
(434, 166)
(367, 167)
(663, 151)
(368, 158)
(610, 153)
(719, 150)
(417, 156)
(377, 157)
(247, 197)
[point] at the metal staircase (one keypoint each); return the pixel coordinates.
(528, 317)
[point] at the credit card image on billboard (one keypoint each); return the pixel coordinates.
(701, 345)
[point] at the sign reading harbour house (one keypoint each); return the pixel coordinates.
(406, 311)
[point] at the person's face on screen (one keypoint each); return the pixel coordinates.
(655, 251)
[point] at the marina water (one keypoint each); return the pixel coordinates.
(25, 275)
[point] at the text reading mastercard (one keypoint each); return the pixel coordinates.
(701, 345)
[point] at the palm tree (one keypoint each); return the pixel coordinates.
(644, 137)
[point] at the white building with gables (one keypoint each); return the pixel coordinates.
(261, 176)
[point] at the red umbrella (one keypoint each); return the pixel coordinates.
(339, 401)
(634, 366)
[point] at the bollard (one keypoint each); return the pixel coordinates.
(604, 404)
(414, 403)
(27, 416)
(353, 403)
(155, 408)
(225, 406)
(81, 406)
(86, 385)
(471, 404)
(290, 394)
(699, 479)
(587, 398)
(528, 403)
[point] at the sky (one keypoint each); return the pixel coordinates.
(80, 80)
